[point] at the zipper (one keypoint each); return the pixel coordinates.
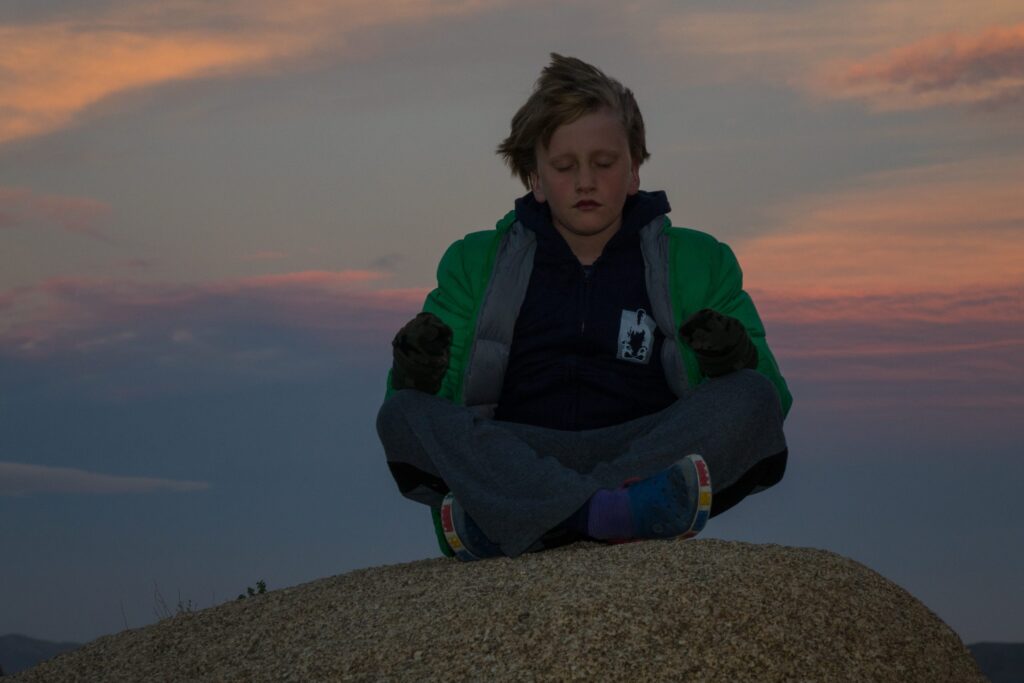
(585, 299)
(584, 309)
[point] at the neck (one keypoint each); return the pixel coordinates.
(587, 248)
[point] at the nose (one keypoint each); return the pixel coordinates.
(584, 179)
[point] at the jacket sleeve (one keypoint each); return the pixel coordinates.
(453, 302)
(728, 296)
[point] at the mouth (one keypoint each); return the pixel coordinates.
(586, 204)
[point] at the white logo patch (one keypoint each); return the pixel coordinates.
(636, 336)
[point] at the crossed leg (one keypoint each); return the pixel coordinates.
(520, 481)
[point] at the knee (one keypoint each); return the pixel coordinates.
(749, 396)
(760, 398)
(391, 418)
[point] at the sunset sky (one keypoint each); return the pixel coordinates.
(214, 216)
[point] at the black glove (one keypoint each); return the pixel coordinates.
(420, 351)
(720, 342)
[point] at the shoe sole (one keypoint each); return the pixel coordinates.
(700, 520)
(450, 535)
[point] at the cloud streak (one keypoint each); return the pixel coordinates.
(18, 479)
(936, 228)
(984, 69)
(901, 351)
(123, 339)
(904, 286)
(56, 69)
(73, 313)
(895, 52)
(24, 208)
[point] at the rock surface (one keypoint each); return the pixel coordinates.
(700, 610)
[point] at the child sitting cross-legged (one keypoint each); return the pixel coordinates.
(584, 370)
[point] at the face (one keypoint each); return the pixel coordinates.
(585, 175)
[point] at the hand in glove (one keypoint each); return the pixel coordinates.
(720, 342)
(420, 351)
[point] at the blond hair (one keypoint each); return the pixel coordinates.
(567, 89)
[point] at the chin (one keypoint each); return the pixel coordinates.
(589, 231)
(591, 228)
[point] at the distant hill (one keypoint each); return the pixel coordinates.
(18, 652)
(1000, 662)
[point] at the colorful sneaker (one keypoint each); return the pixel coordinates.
(676, 502)
(464, 537)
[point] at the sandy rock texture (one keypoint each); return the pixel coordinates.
(699, 610)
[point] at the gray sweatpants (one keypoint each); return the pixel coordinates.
(519, 481)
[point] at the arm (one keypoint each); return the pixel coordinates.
(726, 296)
(452, 301)
(462, 278)
(705, 274)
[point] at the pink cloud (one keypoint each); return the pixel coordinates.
(938, 305)
(983, 68)
(22, 207)
(878, 353)
(788, 43)
(121, 339)
(955, 226)
(322, 279)
(73, 312)
(136, 338)
(903, 286)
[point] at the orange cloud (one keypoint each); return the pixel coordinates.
(57, 70)
(54, 70)
(21, 207)
(986, 68)
(938, 228)
(786, 44)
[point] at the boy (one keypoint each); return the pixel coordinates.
(583, 371)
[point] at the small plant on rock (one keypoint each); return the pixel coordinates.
(261, 588)
(161, 609)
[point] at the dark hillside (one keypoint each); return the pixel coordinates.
(18, 652)
(1000, 662)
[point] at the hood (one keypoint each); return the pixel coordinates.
(639, 210)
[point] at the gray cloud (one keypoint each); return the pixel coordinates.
(18, 479)
(388, 262)
(124, 339)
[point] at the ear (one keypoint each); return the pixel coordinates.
(634, 179)
(535, 187)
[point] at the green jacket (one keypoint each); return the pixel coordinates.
(482, 280)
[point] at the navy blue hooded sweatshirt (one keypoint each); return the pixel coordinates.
(585, 351)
